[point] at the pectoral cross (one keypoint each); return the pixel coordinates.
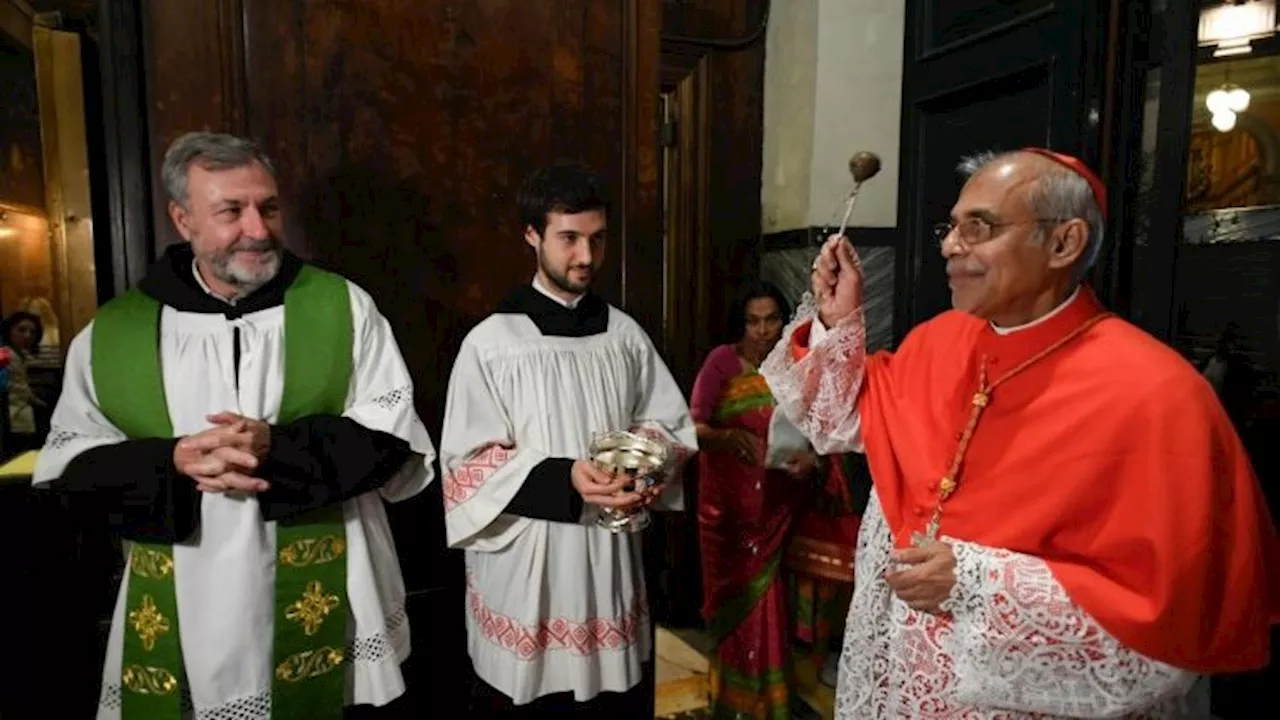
(947, 485)
(930, 533)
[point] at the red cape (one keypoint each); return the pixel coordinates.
(1111, 459)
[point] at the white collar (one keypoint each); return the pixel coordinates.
(1037, 321)
(571, 304)
(195, 270)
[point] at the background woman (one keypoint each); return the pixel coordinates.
(21, 333)
(745, 514)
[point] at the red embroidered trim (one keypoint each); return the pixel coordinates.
(465, 481)
(580, 638)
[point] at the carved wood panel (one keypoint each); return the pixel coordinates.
(956, 22)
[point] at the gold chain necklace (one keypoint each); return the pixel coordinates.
(948, 484)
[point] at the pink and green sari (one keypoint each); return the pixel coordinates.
(745, 515)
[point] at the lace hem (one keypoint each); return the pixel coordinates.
(1015, 648)
(1022, 644)
(393, 399)
(818, 393)
(61, 436)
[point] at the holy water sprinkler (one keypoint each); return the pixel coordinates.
(862, 166)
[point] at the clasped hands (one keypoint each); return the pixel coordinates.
(928, 578)
(611, 491)
(223, 458)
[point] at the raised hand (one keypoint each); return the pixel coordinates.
(837, 281)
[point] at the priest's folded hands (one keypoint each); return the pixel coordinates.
(225, 457)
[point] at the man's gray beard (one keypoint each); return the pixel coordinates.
(243, 279)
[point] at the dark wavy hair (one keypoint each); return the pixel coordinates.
(737, 321)
(565, 186)
(9, 323)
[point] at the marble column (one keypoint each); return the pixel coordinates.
(788, 268)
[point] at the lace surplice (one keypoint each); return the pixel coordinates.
(1013, 646)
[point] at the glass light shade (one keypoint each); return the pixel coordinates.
(1238, 100)
(1218, 101)
(1224, 121)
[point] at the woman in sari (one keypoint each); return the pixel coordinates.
(745, 516)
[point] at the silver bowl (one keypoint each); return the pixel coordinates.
(642, 458)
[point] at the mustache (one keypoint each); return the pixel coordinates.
(255, 245)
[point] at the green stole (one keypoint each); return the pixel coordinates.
(311, 568)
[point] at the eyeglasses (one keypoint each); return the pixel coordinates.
(975, 231)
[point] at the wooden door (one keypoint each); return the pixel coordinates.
(985, 75)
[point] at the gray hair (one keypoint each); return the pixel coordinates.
(211, 151)
(1058, 195)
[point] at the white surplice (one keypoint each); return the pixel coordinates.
(551, 607)
(1013, 645)
(225, 576)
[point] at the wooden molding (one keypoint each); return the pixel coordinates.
(687, 236)
(642, 251)
(125, 144)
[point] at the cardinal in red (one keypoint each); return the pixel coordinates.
(1064, 522)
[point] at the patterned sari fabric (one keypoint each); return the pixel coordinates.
(745, 515)
(819, 557)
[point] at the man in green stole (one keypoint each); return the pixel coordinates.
(241, 417)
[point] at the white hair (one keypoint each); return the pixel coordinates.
(212, 151)
(1060, 194)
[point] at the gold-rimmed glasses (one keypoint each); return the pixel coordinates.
(975, 231)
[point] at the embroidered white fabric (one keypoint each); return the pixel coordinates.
(818, 394)
(1014, 648)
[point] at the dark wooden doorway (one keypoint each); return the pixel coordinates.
(1198, 265)
(985, 75)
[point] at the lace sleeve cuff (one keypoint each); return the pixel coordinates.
(1021, 644)
(817, 388)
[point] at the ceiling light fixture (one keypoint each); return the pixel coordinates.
(1233, 26)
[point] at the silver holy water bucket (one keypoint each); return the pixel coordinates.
(642, 459)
